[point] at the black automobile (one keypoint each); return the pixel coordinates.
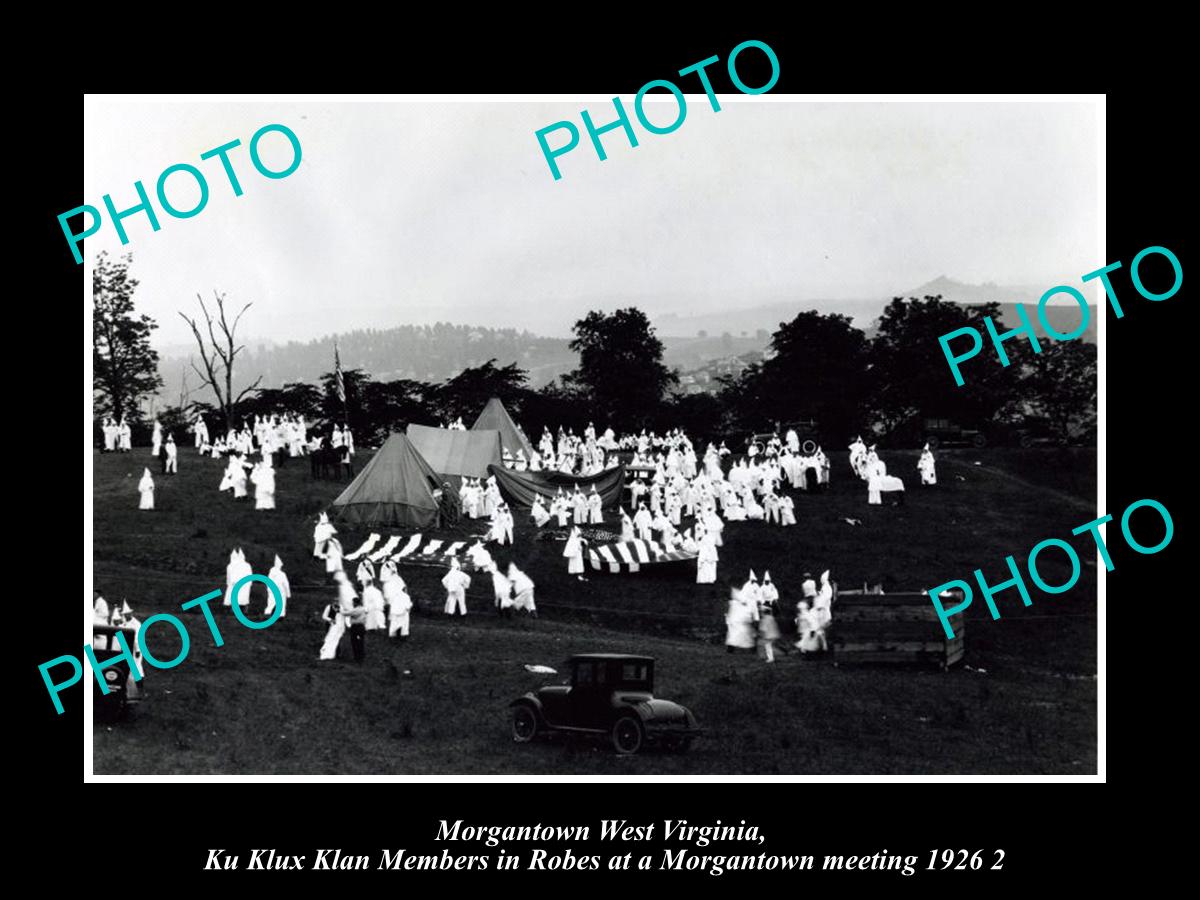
(123, 689)
(609, 694)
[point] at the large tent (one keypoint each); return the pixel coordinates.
(397, 487)
(456, 454)
(520, 488)
(496, 418)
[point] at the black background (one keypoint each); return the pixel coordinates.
(166, 830)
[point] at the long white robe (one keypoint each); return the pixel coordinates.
(264, 487)
(280, 578)
(235, 572)
(373, 602)
(522, 586)
(706, 562)
(146, 489)
(573, 551)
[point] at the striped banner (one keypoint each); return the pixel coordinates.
(632, 556)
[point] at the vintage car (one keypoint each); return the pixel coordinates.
(609, 694)
(123, 688)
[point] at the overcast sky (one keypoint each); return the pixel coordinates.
(417, 212)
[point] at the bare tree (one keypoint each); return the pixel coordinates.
(219, 354)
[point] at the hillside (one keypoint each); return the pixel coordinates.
(263, 704)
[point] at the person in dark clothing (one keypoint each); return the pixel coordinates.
(357, 618)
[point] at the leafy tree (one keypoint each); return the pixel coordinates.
(620, 368)
(909, 375)
(467, 392)
(124, 365)
(818, 369)
(391, 405)
(353, 412)
(1059, 384)
(295, 397)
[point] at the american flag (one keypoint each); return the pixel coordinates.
(337, 374)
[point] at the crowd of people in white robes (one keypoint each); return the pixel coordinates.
(569, 453)
(118, 436)
(751, 616)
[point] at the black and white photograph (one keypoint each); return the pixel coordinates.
(687, 434)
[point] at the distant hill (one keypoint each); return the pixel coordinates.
(1063, 317)
(430, 353)
(434, 353)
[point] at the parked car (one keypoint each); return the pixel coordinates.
(609, 694)
(123, 688)
(945, 433)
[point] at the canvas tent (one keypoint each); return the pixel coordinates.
(519, 488)
(454, 454)
(397, 487)
(496, 418)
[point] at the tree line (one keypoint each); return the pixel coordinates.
(818, 367)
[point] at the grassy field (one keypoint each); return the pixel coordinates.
(262, 704)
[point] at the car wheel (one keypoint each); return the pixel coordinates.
(524, 724)
(979, 440)
(1026, 441)
(809, 447)
(933, 443)
(627, 735)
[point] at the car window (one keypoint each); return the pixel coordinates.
(583, 674)
(633, 672)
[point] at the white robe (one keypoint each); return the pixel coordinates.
(456, 582)
(573, 551)
(373, 601)
(146, 489)
(280, 578)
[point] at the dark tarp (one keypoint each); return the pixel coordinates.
(456, 454)
(397, 488)
(496, 418)
(521, 487)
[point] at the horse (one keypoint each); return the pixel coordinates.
(331, 462)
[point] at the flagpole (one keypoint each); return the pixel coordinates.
(339, 382)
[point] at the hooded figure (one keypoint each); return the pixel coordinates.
(522, 586)
(751, 593)
(171, 458)
(399, 604)
(502, 589)
(926, 467)
(456, 582)
(373, 603)
(280, 578)
(573, 551)
(263, 476)
(156, 439)
(768, 628)
(822, 603)
(740, 618)
(335, 614)
(237, 569)
(538, 512)
(595, 507)
(321, 535)
(706, 561)
(812, 636)
(626, 527)
(146, 489)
